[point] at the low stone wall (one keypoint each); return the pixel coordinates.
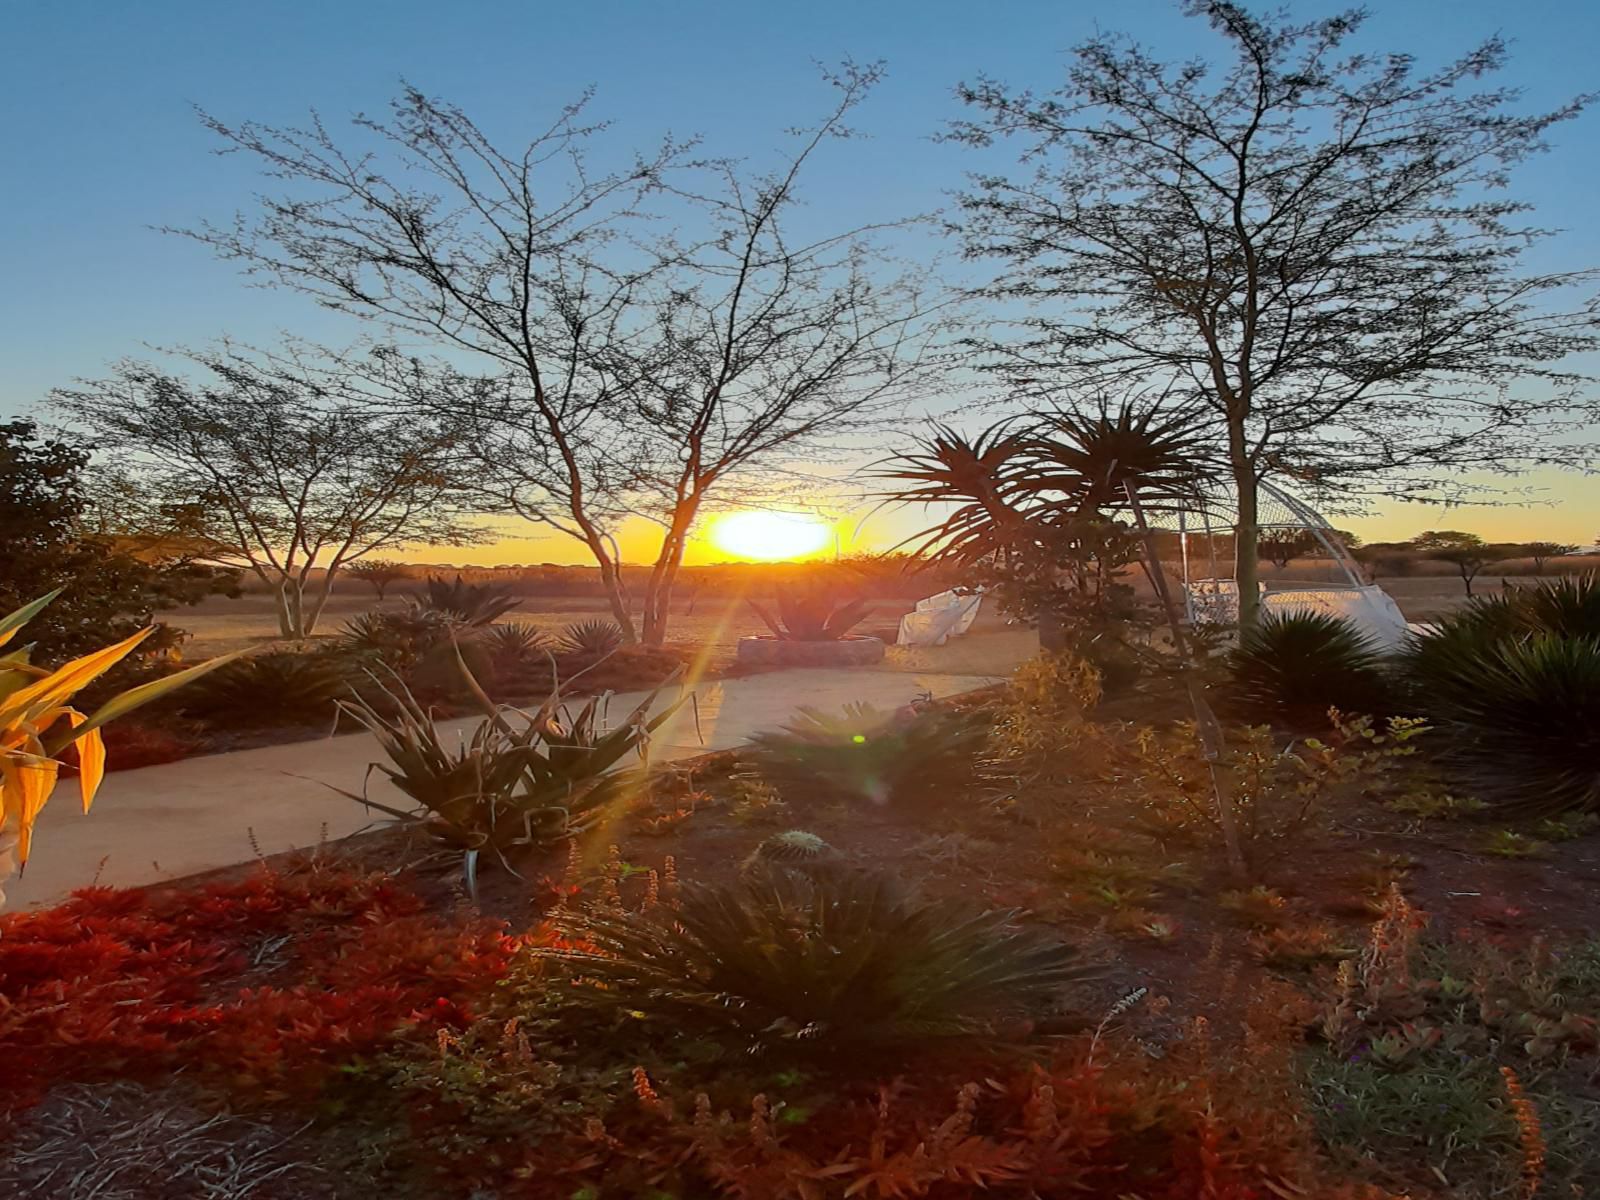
(846, 652)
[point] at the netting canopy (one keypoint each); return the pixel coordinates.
(1311, 568)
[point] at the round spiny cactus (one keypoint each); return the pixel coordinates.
(794, 849)
(793, 845)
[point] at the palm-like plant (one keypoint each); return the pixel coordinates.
(1092, 462)
(863, 753)
(978, 475)
(834, 960)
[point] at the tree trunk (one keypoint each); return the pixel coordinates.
(616, 595)
(658, 593)
(1247, 536)
(323, 595)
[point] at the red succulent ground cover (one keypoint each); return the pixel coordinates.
(267, 984)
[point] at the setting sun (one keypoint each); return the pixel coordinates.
(769, 536)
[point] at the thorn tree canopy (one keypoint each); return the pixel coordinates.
(1312, 243)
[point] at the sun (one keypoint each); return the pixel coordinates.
(770, 536)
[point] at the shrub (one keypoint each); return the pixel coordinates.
(866, 754)
(123, 983)
(1044, 711)
(505, 787)
(279, 688)
(811, 615)
(832, 960)
(1294, 667)
(595, 637)
(472, 604)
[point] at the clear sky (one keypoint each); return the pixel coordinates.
(101, 144)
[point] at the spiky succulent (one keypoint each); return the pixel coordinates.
(472, 604)
(834, 960)
(268, 689)
(863, 753)
(596, 636)
(1293, 667)
(514, 641)
(1521, 722)
(1512, 683)
(794, 850)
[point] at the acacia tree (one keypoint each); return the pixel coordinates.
(378, 573)
(280, 464)
(1306, 242)
(630, 371)
(1540, 551)
(1467, 552)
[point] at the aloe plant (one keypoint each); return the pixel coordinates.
(520, 779)
(811, 615)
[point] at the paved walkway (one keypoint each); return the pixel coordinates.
(164, 822)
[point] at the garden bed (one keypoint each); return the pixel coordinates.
(351, 1022)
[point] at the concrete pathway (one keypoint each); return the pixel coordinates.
(164, 822)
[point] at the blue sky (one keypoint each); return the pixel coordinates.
(100, 140)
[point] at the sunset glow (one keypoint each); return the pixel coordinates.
(769, 536)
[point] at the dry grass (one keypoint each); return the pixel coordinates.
(124, 1142)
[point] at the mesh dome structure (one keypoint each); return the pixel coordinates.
(1317, 574)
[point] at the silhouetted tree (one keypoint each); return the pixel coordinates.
(1309, 244)
(282, 464)
(1539, 551)
(378, 573)
(631, 372)
(1467, 552)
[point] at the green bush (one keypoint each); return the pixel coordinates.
(280, 688)
(831, 960)
(865, 754)
(1293, 667)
